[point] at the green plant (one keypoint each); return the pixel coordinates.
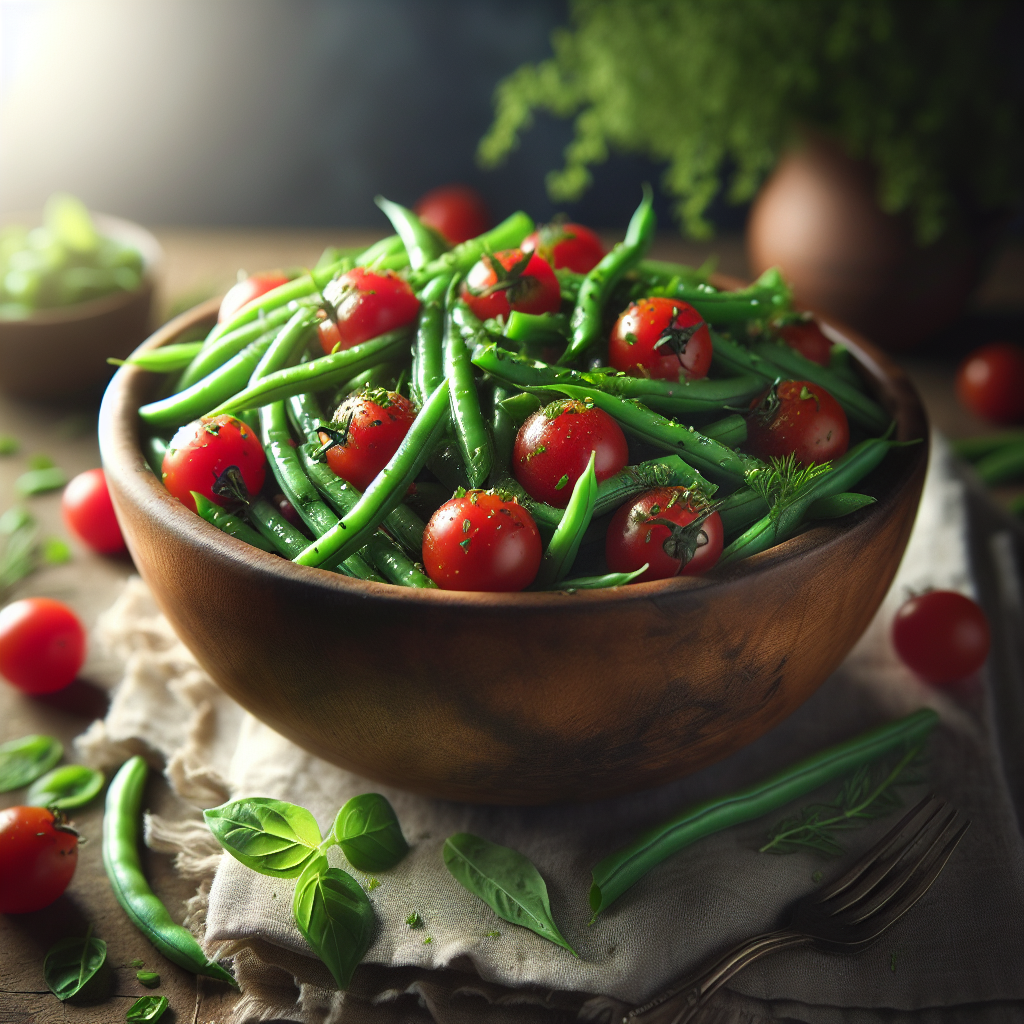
(917, 87)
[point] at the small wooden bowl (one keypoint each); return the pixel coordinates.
(62, 353)
(517, 698)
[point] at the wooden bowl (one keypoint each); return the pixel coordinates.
(517, 698)
(62, 353)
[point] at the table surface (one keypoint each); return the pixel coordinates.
(198, 264)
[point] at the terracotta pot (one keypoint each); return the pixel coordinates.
(817, 218)
(517, 698)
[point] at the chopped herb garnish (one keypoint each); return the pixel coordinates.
(414, 920)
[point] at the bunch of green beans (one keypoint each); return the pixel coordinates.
(475, 382)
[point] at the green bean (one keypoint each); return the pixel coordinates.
(395, 565)
(569, 282)
(386, 249)
(503, 435)
(565, 544)
(421, 243)
(732, 357)
(730, 430)
(703, 453)
(231, 525)
(1006, 465)
(834, 506)
(772, 529)
(295, 333)
(840, 362)
(663, 272)
(155, 448)
(741, 509)
(273, 527)
(586, 322)
(507, 235)
(205, 394)
(445, 462)
(624, 868)
(857, 406)
(610, 579)
(521, 407)
(668, 471)
(471, 431)
(165, 359)
(388, 489)
(521, 371)
(318, 374)
(428, 346)
(974, 448)
(768, 297)
(537, 329)
(121, 823)
(681, 398)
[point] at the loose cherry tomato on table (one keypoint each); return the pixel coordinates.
(663, 338)
(456, 211)
(669, 530)
(38, 856)
(798, 417)
(217, 456)
(511, 279)
(245, 291)
(571, 246)
(941, 636)
(809, 340)
(553, 447)
(42, 645)
(481, 541)
(990, 382)
(367, 303)
(365, 432)
(89, 513)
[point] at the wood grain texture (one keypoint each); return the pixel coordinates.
(518, 698)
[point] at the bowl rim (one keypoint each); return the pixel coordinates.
(119, 435)
(124, 231)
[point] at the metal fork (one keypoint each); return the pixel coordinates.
(847, 915)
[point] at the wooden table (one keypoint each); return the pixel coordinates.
(199, 264)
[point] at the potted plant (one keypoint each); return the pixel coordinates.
(893, 129)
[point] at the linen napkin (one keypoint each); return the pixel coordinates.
(959, 955)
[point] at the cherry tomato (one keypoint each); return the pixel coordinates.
(245, 291)
(797, 416)
(42, 645)
(527, 284)
(368, 428)
(38, 856)
(640, 532)
(366, 304)
(941, 636)
(480, 541)
(457, 211)
(553, 448)
(571, 246)
(656, 338)
(809, 340)
(89, 513)
(217, 456)
(990, 382)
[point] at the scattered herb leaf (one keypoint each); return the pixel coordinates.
(148, 1008)
(506, 881)
(428, 940)
(39, 481)
(270, 836)
(18, 534)
(22, 761)
(41, 462)
(492, 935)
(373, 883)
(55, 551)
(148, 978)
(368, 833)
(71, 964)
(9, 444)
(414, 920)
(71, 785)
(136, 963)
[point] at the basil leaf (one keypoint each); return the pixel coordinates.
(148, 978)
(71, 964)
(71, 785)
(334, 916)
(22, 761)
(506, 881)
(368, 833)
(147, 1008)
(270, 836)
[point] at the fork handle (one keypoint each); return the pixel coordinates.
(677, 1004)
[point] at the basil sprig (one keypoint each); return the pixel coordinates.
(146, 1008)
(71, 785)
(71, 967)
(270, 836)
(24, 760)
(506, 881)
(368, 833)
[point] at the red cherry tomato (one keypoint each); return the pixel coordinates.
(247, 290)
(571, 246)
(89, 513)
(990, 382)
(367, 304)
(655, 338)
(38, 856)
(553, 448)
(797, 416)
(941, 636)
(213, 456)
(639, 534)
(42, 645)
(479, 541)
(457, 211)
(369, 427)
(528, 285)
(809, 340)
